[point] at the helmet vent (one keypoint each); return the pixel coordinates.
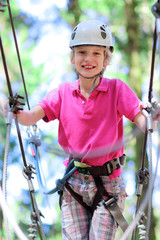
(103, 28)
(103, 31)
(103, 34)
(74, 33)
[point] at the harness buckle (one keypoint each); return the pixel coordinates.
(110, 202)
(109, 167)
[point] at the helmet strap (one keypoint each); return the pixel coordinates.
(95, 76)
(93, 85)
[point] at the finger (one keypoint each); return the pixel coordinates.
(19, 96)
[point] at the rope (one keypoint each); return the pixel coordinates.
(150, 197)
(146, 198)
(28, 169)
(149, 97)
(4, 177)
(18, 54)
(141, 209)
(7, 214)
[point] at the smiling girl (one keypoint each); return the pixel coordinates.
(90, 111)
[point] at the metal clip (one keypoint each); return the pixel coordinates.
(110, 202)
(109, 167)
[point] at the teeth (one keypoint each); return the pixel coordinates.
(88, 66)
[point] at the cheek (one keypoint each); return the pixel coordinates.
(77, 60)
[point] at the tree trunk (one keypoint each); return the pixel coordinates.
(135, 76)
(74, 9)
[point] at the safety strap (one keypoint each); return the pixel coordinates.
(110, 203)
(105, 170)
(117, 214)
(78, 198)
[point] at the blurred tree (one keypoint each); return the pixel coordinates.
(132, 25)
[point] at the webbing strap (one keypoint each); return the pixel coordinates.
(109, 203)
(112, 207)
(118, 216)
(78, 198)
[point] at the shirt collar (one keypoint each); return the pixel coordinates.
(103, 86)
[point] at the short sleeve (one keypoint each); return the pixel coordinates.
(51, 104)
(128, 102)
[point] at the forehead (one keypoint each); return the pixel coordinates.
(90, 47)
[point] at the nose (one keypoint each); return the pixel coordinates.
(88, 57)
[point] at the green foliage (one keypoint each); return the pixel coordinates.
(132, 30)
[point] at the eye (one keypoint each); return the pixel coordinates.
(97, 53)
(81, 52)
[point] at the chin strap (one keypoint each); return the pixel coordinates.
(94, 81)
(93, 85)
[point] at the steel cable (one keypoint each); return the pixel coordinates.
(8, 215)
(150, 178)
(4, 177)
(142, 207)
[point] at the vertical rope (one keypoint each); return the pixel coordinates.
(151, 180)
(18, 54)
(9, 216)
(4, 178)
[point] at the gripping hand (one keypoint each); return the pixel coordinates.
(15, 104)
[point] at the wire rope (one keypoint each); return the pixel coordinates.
(9, 216)
(4, 177)
(150, 179)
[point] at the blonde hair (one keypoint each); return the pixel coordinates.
(108, 55)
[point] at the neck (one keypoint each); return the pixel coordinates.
(86, 85)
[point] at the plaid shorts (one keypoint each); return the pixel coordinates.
(77, 223)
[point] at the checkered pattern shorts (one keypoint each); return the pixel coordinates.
(77, 223)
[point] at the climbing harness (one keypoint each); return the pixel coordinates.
(109, 202)
(14, 106)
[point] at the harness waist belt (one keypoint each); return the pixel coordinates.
(105, 170)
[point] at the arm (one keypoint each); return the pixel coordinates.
(30, 117)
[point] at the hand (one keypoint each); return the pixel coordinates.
(153, 108)
(15, 104)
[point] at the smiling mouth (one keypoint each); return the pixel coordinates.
(88, 67)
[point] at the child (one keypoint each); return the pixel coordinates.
(90, 112)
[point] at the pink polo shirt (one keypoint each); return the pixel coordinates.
(91, 130)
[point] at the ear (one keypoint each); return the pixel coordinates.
(72, 58)
(105, 62)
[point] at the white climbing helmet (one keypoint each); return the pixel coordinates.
(91, 32)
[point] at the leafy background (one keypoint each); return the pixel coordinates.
(43, 29)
